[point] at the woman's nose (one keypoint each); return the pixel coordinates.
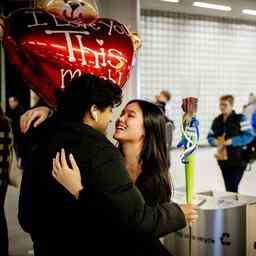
(121, 118)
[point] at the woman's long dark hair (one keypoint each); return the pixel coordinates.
(154, 155)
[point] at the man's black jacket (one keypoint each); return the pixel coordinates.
(231, 128)
(110, 215)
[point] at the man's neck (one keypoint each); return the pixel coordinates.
(226, 115)
(88, 122)
(91, 123)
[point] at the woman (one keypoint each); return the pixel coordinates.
(5, 151)
(140, 131)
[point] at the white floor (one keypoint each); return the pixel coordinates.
(208, 175)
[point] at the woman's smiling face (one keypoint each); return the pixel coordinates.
(130, 126)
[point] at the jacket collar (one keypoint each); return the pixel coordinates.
(230, 117)
(82, 128)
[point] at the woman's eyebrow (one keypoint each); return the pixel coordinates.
(131, 111)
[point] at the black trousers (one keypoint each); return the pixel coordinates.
(4, 243)
(232, 174)
(42, 247)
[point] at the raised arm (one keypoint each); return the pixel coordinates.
(37, 115)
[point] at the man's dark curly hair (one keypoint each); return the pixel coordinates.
(84, 92)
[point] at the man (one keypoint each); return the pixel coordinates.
(162, 99)
(229, 133)
(115, 215)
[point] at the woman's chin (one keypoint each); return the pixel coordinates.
(118, 136)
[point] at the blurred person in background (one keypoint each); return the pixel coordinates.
(230, 132)
(250, 108)
(161, 101)
(5, 159)
(14, 113)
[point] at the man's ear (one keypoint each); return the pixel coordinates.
(94, 112)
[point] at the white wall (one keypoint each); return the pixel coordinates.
(199, 55)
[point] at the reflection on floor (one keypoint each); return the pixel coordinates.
(207, 177)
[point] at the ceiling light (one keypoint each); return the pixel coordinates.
(213, 6)
(171, 1)
(249, 11)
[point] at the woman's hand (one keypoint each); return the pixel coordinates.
(39, 114)
(190, 213)
(68, 177)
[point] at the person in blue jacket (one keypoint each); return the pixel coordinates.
(254, 122)
(230, 132)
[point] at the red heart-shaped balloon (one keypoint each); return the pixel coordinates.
(49, 52)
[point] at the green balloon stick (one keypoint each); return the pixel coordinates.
(189, 173)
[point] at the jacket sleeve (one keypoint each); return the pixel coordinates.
(254, 120)
(246, 136)
(119, 196)
(211, 137)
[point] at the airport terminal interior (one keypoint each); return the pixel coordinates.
(170, 52)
